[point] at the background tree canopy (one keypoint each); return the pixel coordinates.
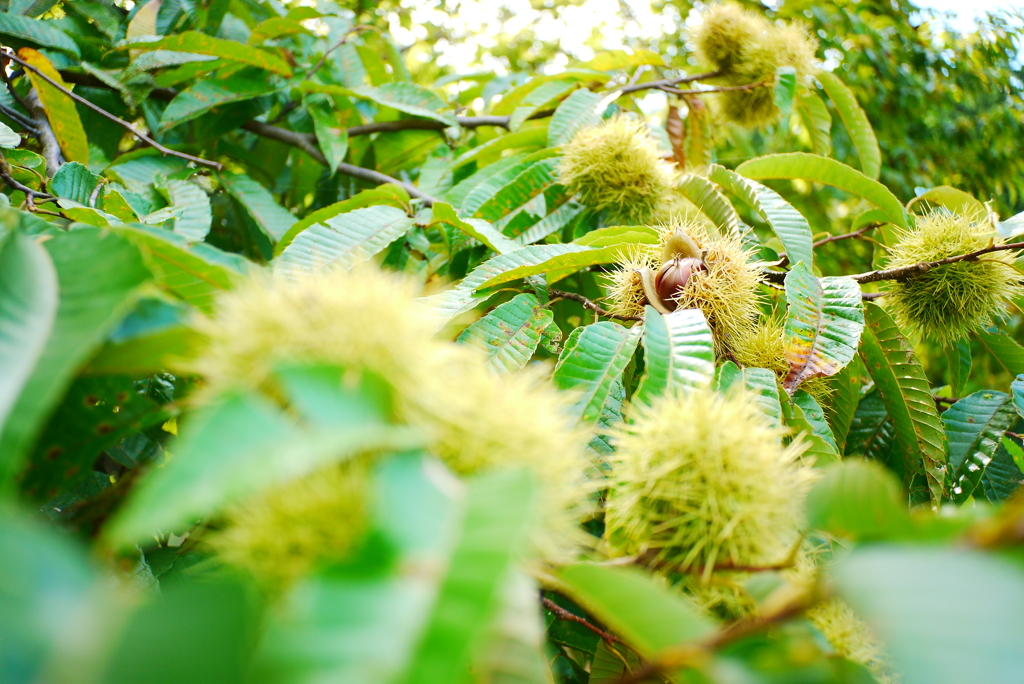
(364, 342)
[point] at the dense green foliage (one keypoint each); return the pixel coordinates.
(319, 363)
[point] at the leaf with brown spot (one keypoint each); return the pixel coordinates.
(823, 325)
(60, 109)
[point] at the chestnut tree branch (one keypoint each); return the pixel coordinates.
(902, 273)
(563, 614)
(713, 89)
(587, 304)
(104, 113)
(666, 82)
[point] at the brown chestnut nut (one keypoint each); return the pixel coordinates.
(673, 276)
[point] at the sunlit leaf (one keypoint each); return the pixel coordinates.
(856, 122)
(202, 44)
(679, 353)
(60, 109)
(975, 426)
(511, 333)
(273, 219)
(592, 361)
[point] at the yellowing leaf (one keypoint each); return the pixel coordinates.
(60, 109)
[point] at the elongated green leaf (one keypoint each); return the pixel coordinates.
(816, 121)
(759, 383)
(405, 97)
(42, 33)
(202, 44)
(842, 403)
(592, 361)
(192, 272)
(330, 135)
(906, 394)
(388, 194)
(60, 109)
(858, 500)
(1011, 227)
(551, 224)
(1017, 388)
(495, 528)
(533, 137)
(856, 122)
(933, 634)
(830, 172)
(679, 353)
(1003, 476)
(975, 426)
(571, 258)
(512, 98)
(698, 146)
(805, 416)
(93, 298)
(205, 95)
(823, 325)
(344, 240)
(510, 334)
(644, 612)
(158, 59)
(477, 229)
(959, 362)
(483, 185)
(28, 308)
(1004, 349)
(533, 181)
(535, 101)
(712, 204)
(244, 443)
(581, 109)
(463, 297)
(74, 182)
(791, 228)
(957, 201)
(197, 215)
(872, 434)
(273, 219)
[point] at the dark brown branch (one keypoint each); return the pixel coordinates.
(104, 113)
(907, 272)
(846, 236)
(666, 82)
(50, 148)
(587, 304)
(715, 89)
(563, 614)
(303, 142)
(689, 654)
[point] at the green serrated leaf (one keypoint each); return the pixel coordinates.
(975, 425)
(41, 33)
(581, 109)
(202, 44)
(93, 298)
(830, 172)
(477, 229)
(273, 219)
(959, 362)
(679, 353)
(711, 203)
(405, 97)
(530, 183)
(823, 325)
(648, 615)
(759, 383)
(1017, 387)
(569, 259)
(511, 333)
(28, 309)
(196, 213)
(194, 273)
(551, 224)
(856, 122)
(805, 416)
(388, 195)
(343, 240)
(842, 404)
(330, 135)
(785, 89)
(206, 95)
(546, 94)
(464, 296)
(1004, 349)
(490, 184)
(593, 360)
(786, 222)
(905, 392)
(74, 182)
(816, 121)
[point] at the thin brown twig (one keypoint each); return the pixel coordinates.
(49, 146)
(344, 39)
(846, 236)
(634, 87)
(563, 614)
(901, 273)
(104, 113)
(301, 141)
(30, 194)
(588, 304)
(714, 89)
(697, 652)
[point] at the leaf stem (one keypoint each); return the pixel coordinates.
(593, 306)
(563, 614)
